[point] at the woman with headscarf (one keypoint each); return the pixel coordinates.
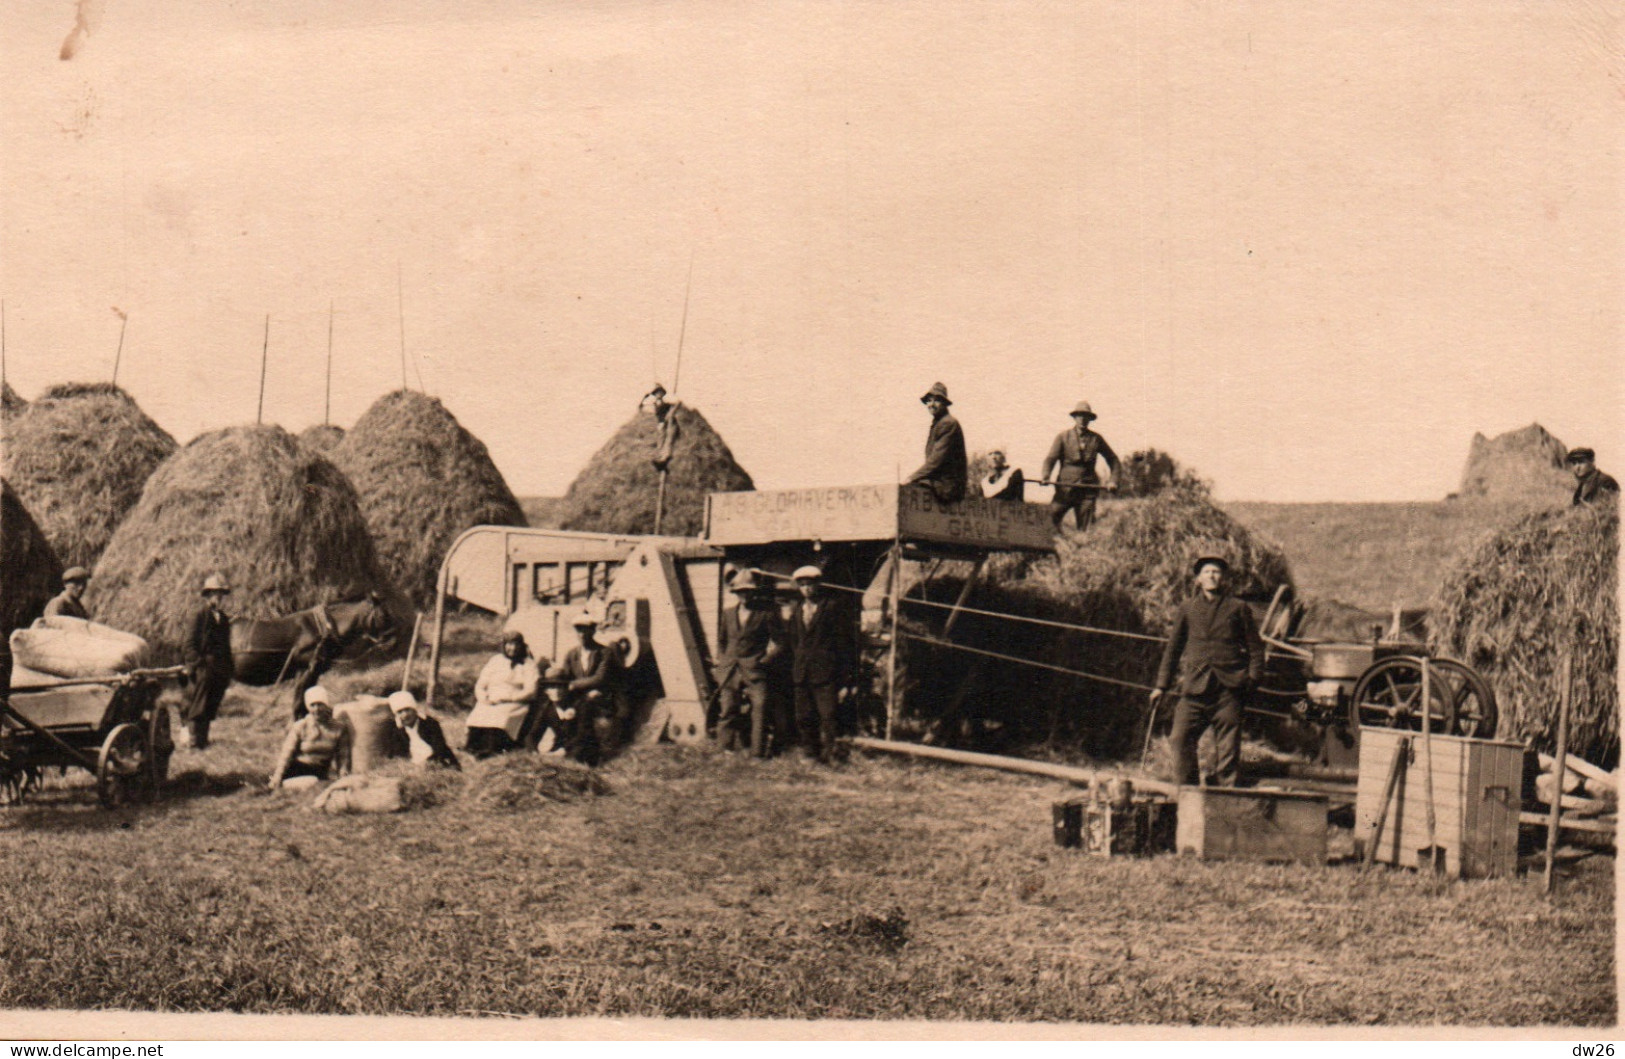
(503, 698)
(318, 744)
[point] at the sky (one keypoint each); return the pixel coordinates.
(1308, 249)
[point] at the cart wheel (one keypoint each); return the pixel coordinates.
(161, 744)
(1476, 712)
(122, 768)
(1389, 695)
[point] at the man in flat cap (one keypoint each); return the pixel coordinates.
(1072, 456)
(70, 602)
(1591, 485)
(822, 650)
(749, 638)
(1220, 657)
(946, 466)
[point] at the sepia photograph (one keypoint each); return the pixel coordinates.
(553, 519)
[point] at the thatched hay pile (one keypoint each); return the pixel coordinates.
(11, 402)
(616, 491)
(529, 781)
(1509, 608)
(282, 524)
(422, 480)
(78, 457)
(321, 438)
(30, 573)
(1527, 464)
(1127, 573)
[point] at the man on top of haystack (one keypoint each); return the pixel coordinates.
(665, 423)
(69, 603)
(1072, 455)
(946, 465)
(1591, 484)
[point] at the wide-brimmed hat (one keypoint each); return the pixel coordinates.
(584, 620)
(807, 573)
(75, 573)
(1575, 456)
(743, 582)
(215, 583)
(1083, 408)
(401, 701)
(936, 390)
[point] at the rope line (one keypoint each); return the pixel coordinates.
(987, 613)
(1029, 662)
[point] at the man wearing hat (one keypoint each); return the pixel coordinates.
(749, 637)
(1215, 644)
(425, 740)
(592, 691)
(1591, 485)
(946, 466)
(1072, 456)
(69, 603)
(822, 649)
(209, 654)
(504, 696)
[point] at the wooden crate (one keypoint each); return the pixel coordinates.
(1233, 823)
(1142, 829)
(1477, 792)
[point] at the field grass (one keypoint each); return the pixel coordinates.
(704, 885)
(1376, 556)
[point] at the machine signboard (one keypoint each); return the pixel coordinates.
(874, 512)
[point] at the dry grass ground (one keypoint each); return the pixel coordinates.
(704, 885)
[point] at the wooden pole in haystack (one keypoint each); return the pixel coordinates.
(2, 342)
(1555, 819)
(265, 350)
(677, 373)
(400, 314)
(327, 404)
(124, 322)
(411, 650)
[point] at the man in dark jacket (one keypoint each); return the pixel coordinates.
(749, 637)
(70, 602)
(209, 653)
(1072, 457)
(592, 696)
(822, 650)
(946, 466)
(1591, 484)
(1215, 645)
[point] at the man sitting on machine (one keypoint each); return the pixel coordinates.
(593, 711)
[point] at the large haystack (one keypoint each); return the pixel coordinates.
(321, 438)
(11, 402)
(1510, 606)
(1522, 465)
(30, 573)
(281, 523)
(616, 491)
(78, 457)
(422, 480)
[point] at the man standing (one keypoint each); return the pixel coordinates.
(209, 653)
(822, 649)
(946, 466)
(1216, 646)
(1072, 456)
(1591, 484)
(1003, 482)
(749, 637)
(69, 603)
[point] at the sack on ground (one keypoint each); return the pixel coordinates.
(361, 794)
(375, 737)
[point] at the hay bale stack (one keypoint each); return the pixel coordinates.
(282, 524)
(78, 457)
(1523, 465)
(616, 491)
(30, 573)
(422, 480)
(1510, 605)
(322, 438)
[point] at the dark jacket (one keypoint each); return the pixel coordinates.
(946, 467)
(61, 605)
(1213, 641)
(600, 675)
(747, 638)
(1595, 486)
(211, 639)
(1075, 454)
(822, 650)
(429, 728)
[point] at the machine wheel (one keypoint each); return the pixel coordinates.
(1389, 695)
(123, 768)
(1474, 700)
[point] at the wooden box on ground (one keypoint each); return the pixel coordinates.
(1233, 823)
(1142, 829)
(1477, 792)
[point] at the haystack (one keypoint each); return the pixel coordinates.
(282, 524)
(616, 491)
(30, 573)
(321, 438)
(11, 402)
(1511, 606)
(422, 480)
(1522, 465)
(78, 457)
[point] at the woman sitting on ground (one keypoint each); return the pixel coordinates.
(425, 742)
(503, 698)
(318, 744)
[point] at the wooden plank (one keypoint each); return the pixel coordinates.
(1583, 767)
(1605, 827)
(1083, 777)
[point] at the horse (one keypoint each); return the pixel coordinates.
(304, 644)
